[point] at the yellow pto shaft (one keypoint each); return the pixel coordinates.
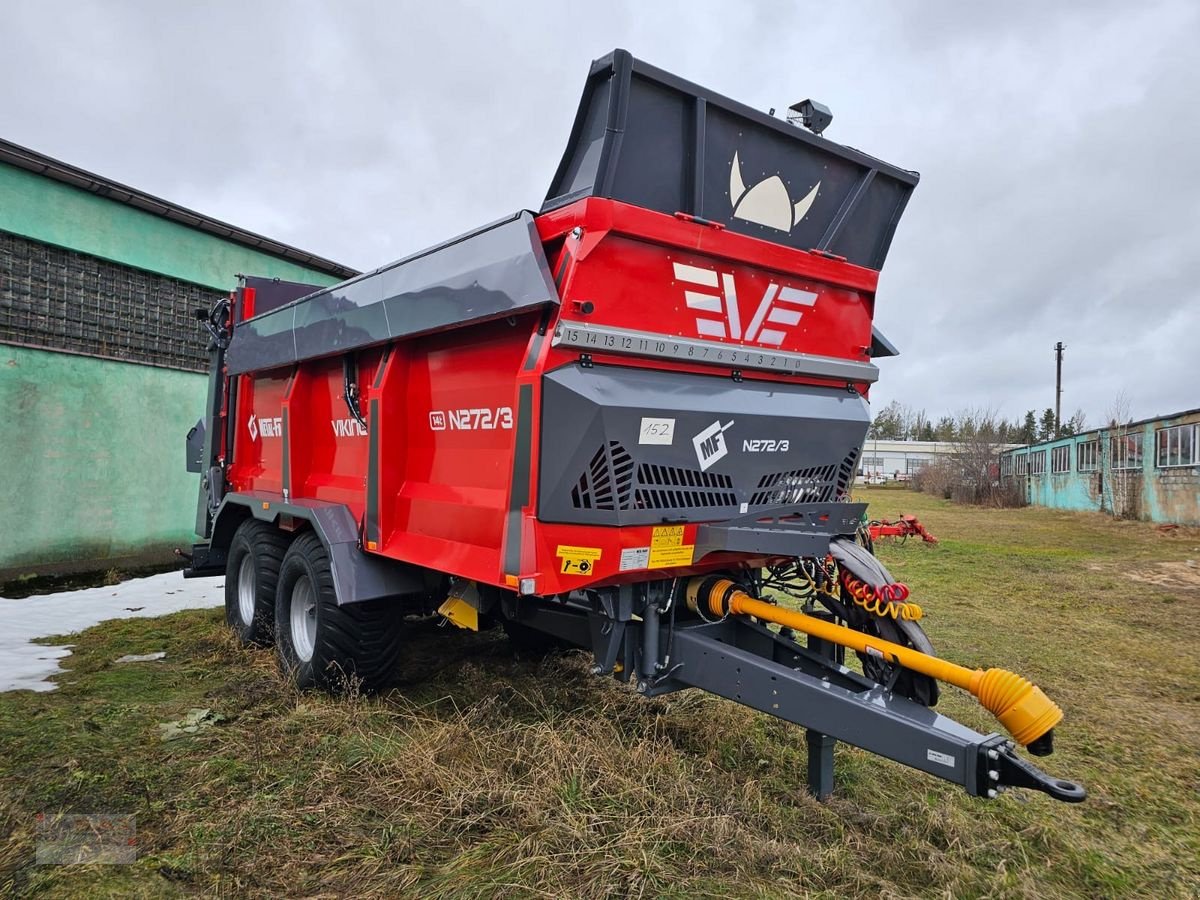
(1020, 705)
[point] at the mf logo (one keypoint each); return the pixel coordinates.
(719, 315)
(710, 444)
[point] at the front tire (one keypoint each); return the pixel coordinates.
(321, 644)
(251, 575)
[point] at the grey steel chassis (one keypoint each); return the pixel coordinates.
(741, 660)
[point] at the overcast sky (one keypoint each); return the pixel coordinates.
(1058, 146)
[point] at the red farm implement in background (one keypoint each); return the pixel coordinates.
(628, 421)
(904, 527)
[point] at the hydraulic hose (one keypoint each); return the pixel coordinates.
(1021, 706)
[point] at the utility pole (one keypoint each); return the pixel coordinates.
(1058, 355)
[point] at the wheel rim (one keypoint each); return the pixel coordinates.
(303, 616)
(245, 590)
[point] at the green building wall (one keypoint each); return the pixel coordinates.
(94, 460)
(55, 213)
(92, 450)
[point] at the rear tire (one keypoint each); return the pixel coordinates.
(323, 645)
(251, 575)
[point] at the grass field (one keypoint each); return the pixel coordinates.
(486, 774)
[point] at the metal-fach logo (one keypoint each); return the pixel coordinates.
(710, 444)
(268, 427)
(720, 316)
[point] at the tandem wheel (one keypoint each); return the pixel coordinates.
(321, 644)
(251, 576)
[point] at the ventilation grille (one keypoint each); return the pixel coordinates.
(608, 482)
(814, 485)
(668, 487)
(846, 473)
(614, 482)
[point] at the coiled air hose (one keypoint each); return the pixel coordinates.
(888, 600)
(1021, 706)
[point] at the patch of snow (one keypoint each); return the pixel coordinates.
(27, 666)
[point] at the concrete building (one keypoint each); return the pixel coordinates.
(890, 460)
(100, 359)
(1147, 470)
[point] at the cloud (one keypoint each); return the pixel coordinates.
(1058, 199)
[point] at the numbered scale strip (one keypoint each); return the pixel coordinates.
(607, 339)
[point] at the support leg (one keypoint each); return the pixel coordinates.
(820, 746)
(820, 763)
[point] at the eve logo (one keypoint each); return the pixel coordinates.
(710, 444)
(719, 315)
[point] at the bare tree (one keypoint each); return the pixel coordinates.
(1077, 424)
(971, 473)
(1118, 482)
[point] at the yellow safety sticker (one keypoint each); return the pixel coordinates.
(577, 560)
(669, 557)
(666, 536)
(667, 548)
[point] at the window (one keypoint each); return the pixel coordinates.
(62, 300)
(872, 462)
(1006, 465)
(1089, 456)
(1178, 446)
(1060, 459)
(1022, 463)
(1037, 462)
(1127, 451)
(915, 465)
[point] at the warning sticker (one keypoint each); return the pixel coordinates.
(667, 548)
(577, 560)
(667, 536)
(635, 558)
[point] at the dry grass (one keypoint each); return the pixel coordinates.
(486, 774)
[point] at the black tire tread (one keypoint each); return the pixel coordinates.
(357, 645)
(269, 545)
